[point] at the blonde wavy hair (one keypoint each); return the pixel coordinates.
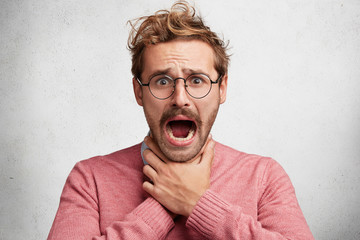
(181, 22)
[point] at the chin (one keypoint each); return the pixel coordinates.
(176, 156)
(184, 153)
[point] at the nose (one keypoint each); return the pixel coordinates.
(180, 98)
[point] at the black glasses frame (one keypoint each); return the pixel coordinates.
(211, 81)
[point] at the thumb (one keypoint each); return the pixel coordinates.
(208, 154)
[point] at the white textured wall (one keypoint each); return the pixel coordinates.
(294, 94)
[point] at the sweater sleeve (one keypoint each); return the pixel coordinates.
(279, 214)
(78, 214)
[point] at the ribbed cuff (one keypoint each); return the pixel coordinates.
(154, 215)
(207, 214)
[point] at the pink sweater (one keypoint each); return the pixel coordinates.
(250, 197)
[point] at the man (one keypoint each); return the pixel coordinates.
(190, 187)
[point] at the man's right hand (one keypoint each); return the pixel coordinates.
(177, 186)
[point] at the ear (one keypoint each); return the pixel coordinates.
(223, 88)
(137, 91)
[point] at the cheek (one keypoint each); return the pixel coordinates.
(153, 109)
(208, 111)
(209, 104)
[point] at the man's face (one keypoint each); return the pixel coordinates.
(180, 124)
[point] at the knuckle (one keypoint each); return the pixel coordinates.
(147, 152)
(157, 192)
(166, 172)
(163, 169)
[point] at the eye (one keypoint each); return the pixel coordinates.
(196, 81)
(163, 81)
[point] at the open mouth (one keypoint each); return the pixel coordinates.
(181, 130)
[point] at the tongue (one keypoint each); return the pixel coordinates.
(180, 129)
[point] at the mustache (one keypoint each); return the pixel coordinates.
(180, 111)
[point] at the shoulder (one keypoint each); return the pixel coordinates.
(128, 158)
(232, 156)
(248, 164)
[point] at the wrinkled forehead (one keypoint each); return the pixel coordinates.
(178, 57)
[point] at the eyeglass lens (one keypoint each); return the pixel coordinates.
(197, 85)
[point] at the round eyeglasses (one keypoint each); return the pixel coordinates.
(162, 86)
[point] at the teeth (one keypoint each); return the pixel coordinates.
(189, 136)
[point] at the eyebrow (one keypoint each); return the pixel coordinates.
(185, 70)
(158, 72)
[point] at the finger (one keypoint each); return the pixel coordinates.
(197, 158)
(209, 138)
(148, 187)
(150, 172)
(208, 155)
(199, 155)
(152, 159)
(155, 148)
